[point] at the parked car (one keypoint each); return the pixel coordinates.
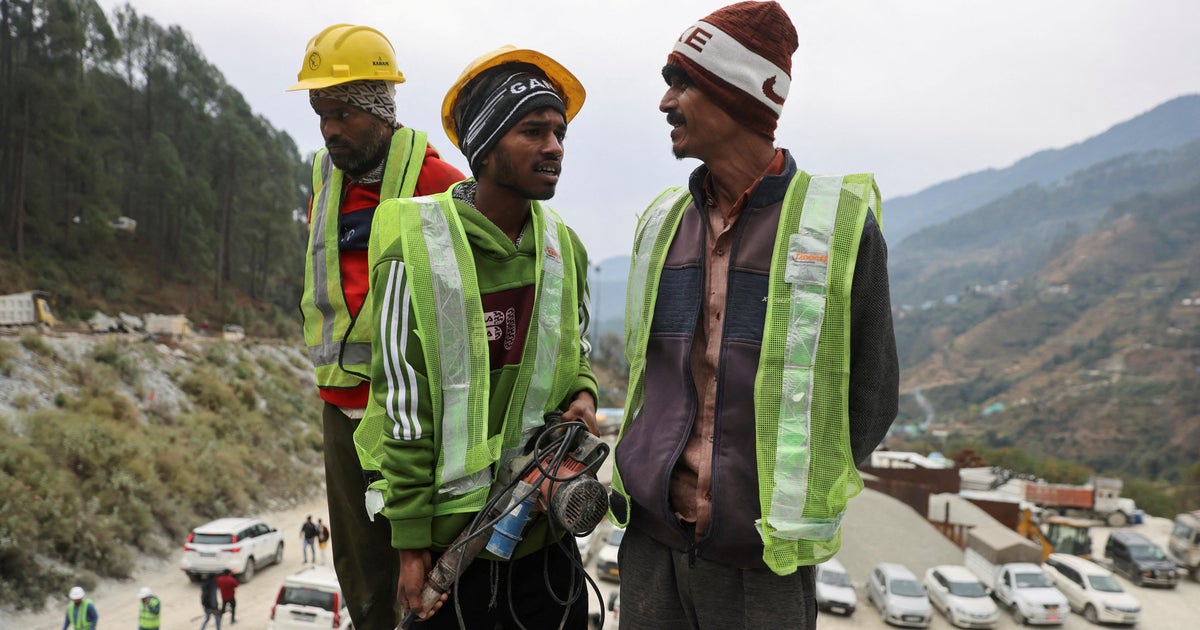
(1137, 558)
(1027, 592)
(606, 558)
(310, 598)
(1092, 590)
(895, 591)
(835, 590)
(958, 593)
(242, 545)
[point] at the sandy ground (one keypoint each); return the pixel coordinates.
(117, 603)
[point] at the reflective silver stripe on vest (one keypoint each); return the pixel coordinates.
(807, 270)
(326, 352)
(549, 321)
(635, 295)
(453, 349)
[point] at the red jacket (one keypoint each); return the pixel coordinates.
(436, 176)
(227, 585)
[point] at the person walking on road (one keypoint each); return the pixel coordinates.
(350, 73)
(149, 610)
(308, 536)
(228, 584)
(81, 612)
(762, 354)
(322, 538)
(208, 600)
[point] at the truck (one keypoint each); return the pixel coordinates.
(1008, 565)
(1100, 499)
(31, 308)
(173, 326)
(1184, 545)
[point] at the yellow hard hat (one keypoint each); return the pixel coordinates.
(568, 86)
(344, 53)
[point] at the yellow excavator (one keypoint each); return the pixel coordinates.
(1061, 534)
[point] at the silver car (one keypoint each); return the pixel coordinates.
(901, 601)
(835, 590)
(960, 596)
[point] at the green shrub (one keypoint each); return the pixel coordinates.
(37, 345)
(8, 357)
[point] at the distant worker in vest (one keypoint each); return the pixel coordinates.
(480, 300)
(149, 610)
(81, 611)
(762, 356)
(227, 585)
(350, 73)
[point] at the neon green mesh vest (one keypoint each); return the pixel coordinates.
(801, 385)
(339, 350)
(427, 233)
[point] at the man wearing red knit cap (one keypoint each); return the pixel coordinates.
(762, 357)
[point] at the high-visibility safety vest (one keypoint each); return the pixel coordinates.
(149, 615)
(341, 351)
(801, 385)
(78, 614)
(427, 232)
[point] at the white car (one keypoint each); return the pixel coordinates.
(1027, 592)
(310, 598)
(606, 558)
(955, 591)
(901, 601)
(242, 545)
(1092, 590)
(835, 590)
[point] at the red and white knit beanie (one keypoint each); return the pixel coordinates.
(740, 56)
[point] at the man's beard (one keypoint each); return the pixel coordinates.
(361, 161)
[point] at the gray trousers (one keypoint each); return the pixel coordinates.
(659, 590)
(367, 566)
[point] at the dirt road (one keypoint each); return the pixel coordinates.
(117, 603)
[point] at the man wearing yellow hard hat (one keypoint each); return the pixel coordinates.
(480, 305)
(350, 73)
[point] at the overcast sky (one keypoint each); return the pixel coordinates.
(917, 91)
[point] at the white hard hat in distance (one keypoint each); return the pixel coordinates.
(145, 592)
(76, 592)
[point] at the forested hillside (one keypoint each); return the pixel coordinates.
(105, 118)
(1093, 358)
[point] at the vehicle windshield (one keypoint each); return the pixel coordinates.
(834, 578)
(1146, 552)
(301, 596)
(212, 539)
(906, 588)
(1105, 583)
(1033, 580)
(967, 589)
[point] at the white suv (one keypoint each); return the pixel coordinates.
(241, 545)
(1092, 590)
(310, 598)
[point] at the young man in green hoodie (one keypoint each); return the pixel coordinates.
(480, 298)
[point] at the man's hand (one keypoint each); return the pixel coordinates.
(415, 564)
(583, 407)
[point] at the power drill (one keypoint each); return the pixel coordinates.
(558, 483)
